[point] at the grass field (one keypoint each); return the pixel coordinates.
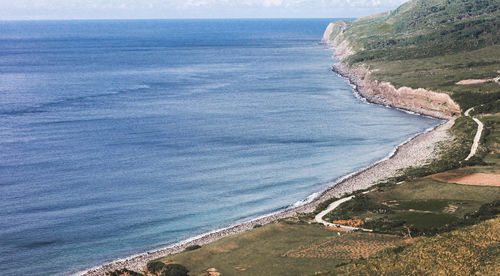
(424, 206)
(441, 73)
(473, 250)
(283, 249)
(492, 143)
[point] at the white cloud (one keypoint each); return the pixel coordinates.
(191, 8)
(193, 3)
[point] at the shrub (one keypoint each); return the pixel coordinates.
(192, 247)
(123, 271)
(155, 267)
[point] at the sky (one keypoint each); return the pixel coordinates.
(165, 9)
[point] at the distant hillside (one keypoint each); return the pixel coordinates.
(426, 28)
(430, 44)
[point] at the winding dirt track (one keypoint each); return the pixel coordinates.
(319, 217)
(479, 132)
(331, 207)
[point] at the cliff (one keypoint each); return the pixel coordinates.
(417, 56)
(334, 37)
(422, 101)
(419, 100)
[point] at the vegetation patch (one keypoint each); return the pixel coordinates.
(159, 268)
(274, 249)
(491, 141)
(347, 247)
(422, 207)
(472, 250)
(192, 247)
(123, 272)
(431, 205)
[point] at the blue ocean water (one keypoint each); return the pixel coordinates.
(118, 137)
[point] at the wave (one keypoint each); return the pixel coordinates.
(45, 107)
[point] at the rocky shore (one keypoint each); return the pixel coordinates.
(418, 100)
(422, 101)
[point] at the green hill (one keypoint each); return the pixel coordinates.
(426, 28)
(431, 44)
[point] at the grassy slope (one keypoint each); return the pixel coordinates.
(447, 254)
(492, 143)
(433, 44)
(280, 249)
(425, 206)
(441, 73)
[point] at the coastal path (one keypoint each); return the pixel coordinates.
(331, 207)
(479, 132)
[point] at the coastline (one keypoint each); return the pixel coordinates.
(420, 101)
(415, 151)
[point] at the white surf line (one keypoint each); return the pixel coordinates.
(331, 207)
(480, 128)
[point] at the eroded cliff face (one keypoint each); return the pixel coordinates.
(328, 32)
(418, 100)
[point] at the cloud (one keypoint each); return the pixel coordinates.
(67, 9)
(189, 3)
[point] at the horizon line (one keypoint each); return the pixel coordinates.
(177, 18)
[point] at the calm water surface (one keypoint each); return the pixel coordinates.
(118, 137)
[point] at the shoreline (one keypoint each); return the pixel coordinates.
(404, 98)
(415, 151)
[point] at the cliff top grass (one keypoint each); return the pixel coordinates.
(425, 28)
(441, 73)
(432, 44)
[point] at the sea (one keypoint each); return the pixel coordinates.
(123, 136)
